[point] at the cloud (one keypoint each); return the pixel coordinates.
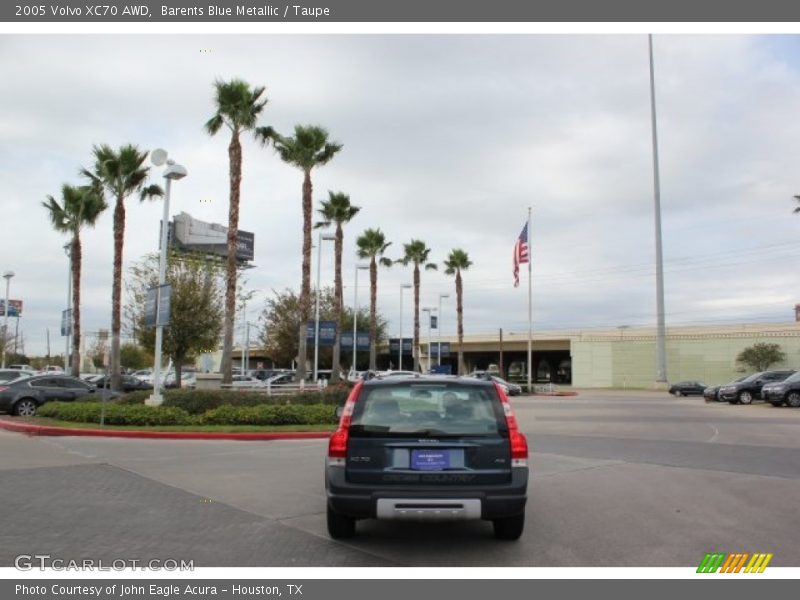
(447, 139)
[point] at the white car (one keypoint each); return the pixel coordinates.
(245, 381)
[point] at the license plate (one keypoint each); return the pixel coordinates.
(430, 460)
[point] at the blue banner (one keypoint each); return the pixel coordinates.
(327, 333)
(151, 319)
(362, 339)
(394, 346)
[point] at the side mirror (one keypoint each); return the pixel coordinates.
(339, 411)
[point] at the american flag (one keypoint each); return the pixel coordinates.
(520, 253)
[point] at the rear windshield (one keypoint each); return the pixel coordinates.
(427, 409)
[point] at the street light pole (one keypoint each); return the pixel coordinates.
(355, 315)
(439, 331)
(430, 311)
(68, 251)
(403, 286)
(7, 275)
(326, 237)
(173, 171)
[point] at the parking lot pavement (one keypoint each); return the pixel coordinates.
(629, 479)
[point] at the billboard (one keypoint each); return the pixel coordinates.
(193, 235)
(14, 308)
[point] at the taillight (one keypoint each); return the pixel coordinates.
(517, 440)
(3, 388)
(337, 444)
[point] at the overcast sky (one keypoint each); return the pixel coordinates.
(447, 138)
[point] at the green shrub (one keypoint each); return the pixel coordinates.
(115, 414)
(266, 414)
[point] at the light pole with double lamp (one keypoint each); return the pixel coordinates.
(68, 330)
(327, 237)
(403, 286)
(439, 331)
(355, 314)
(172, 172)
(7, 276)
(430, 310)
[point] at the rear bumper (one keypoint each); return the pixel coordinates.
(362, 500)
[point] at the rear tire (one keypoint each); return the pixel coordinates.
(340, 526)
(509, 528)
(793, 399)
(25, 408)
(745, 398)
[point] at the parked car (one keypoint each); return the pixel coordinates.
(281, 379)
(264, 374)
(427, 448)
(13, 374)
(25, 395)
(386, 374)
(749, 388)
(245, 381)
(783, 392)
(512, 389)
(687, 388)
(711, 393)
(129, 383)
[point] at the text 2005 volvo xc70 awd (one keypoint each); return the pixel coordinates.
(427, 448)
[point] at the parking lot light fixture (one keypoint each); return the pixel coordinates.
(173, 172)
(359, 267)
(439, 331)
(7, 276)
(403, 286)
(325, 236)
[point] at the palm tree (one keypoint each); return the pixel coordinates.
(337, 209)
(237, 107)
(79, 206)
(416, 252)
(120, 173)
(372, 244)
(308, 148)
(458, 261)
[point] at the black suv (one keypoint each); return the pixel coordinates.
(427, 448)
(786, 391)
(749, 388)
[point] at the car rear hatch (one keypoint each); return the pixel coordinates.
(429, 434)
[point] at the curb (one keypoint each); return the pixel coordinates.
(43, 430)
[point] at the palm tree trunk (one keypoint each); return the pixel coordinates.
(373, 315)
(76, 304)
(337, 292)
(116, 292)
(235, 160)
(460, 315)
(305, 292)
(416, 318)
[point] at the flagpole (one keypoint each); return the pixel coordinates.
(530, 304)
